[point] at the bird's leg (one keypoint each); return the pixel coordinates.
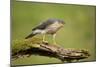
(44, 41)
(43, 38)
(54, 41)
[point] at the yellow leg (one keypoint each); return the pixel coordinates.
(43, 37)
(54, 36)
(44, 41)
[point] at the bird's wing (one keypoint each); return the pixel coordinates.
(43, 25)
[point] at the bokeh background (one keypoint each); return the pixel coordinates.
(78, 32)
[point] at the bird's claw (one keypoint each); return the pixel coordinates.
(45, 42)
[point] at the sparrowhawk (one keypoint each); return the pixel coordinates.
(50, 26)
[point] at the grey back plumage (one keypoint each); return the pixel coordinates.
(46, 23)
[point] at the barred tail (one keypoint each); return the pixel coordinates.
(30, 35)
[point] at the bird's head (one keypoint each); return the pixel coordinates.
(59, 21)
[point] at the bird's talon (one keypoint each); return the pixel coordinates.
(45, 42)
(55, 44)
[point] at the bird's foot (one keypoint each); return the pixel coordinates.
(56, 44)
(45, 42)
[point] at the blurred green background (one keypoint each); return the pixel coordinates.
(78, 32)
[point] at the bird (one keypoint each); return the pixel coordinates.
(49, 26)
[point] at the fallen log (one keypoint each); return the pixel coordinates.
(35, 46)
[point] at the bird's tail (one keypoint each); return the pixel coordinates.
(30, 35)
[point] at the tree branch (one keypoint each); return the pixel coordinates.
(35, 46)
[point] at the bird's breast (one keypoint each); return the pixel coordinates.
(53, 28)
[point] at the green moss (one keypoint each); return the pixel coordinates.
(25, 44)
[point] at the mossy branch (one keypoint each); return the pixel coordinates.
(35, 46)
